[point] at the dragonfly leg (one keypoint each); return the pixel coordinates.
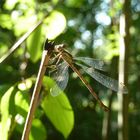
(52, 60)
(59, 57)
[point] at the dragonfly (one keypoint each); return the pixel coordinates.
(89, 66)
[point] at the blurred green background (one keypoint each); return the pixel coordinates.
(89, 28)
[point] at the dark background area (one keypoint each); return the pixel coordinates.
(90, 28)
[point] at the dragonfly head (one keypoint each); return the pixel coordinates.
(59, 47)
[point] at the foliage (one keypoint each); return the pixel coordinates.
(15, 105)
(89, 28)
(59, 111)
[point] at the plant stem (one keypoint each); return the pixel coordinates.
(34, 99)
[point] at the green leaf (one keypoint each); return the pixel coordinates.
(38, 131)
(0, 131)
(5, 21)
(3, 89)
(59, 111)
(74, 3)
(7, 111)
(10, 4)
(34, 44)
(22, 103)
(56, 24)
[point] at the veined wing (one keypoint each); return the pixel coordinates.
(95, 63)
(61, 77)
(104, 80)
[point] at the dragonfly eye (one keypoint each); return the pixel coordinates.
(59, 47)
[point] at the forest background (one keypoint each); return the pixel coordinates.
(100, 29)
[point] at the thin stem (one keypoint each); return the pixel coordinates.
(34, 99)
(21, 40)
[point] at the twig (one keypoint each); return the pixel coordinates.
(45, 59)
(23, 38)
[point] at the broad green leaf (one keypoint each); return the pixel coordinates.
(38, 131)
(59, 111)
(34, 44)
(56, 24)
(22, 103)
(7, 111)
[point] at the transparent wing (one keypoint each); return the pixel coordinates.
(95, 63)
(104, 80)
(61, 77)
